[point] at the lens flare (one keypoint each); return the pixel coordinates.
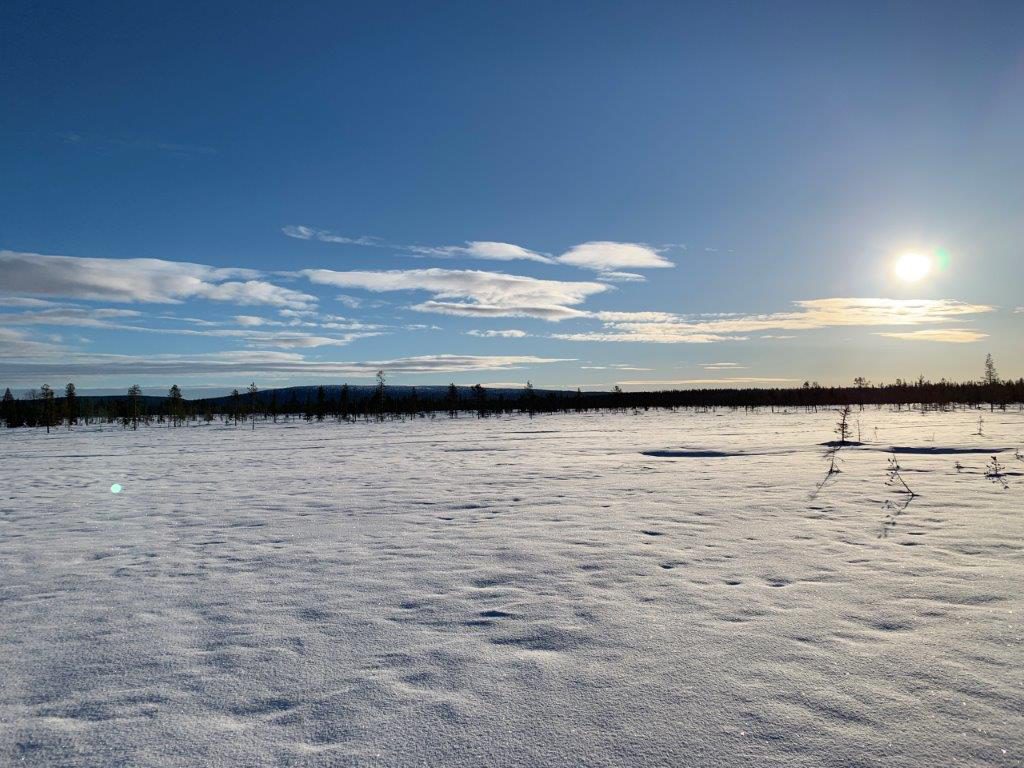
(911, 267)
(116, 488)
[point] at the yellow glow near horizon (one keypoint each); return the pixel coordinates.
(911, 267)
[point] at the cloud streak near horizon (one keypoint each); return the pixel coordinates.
(811, 314)
(265, 363)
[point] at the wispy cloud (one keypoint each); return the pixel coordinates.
(253, 321)
(352, 302)
(283, 339)
(300, 232)
(138, 280)
(608, 256)
(722, 366)
(15, 345)
(651, 333)
(728, 381)
(71, 315)
(471, 293)
(613, 367)
(668, 328)
(604, 256)
(20, 302)
(256, 363)
(483, 249)
(948, 335)
(475, 249)
(510, 333)
(338, 333)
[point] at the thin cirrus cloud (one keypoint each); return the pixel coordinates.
(723, 367)
(668, 328)
(947, 335)
(139, 280)
(476, 249)
(483, 249)
(622, 277)
(73, 316)
(607, 257)
(300, 232)
(257, 363)
(281, 339)
(16, 344)
(249, 333)
(471, 293)
(509, 333)
(727, 381)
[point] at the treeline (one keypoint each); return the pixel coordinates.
(44, 408)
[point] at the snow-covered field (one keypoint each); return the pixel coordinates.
(600, 590)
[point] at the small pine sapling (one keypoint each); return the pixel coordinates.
(996, 472)
(843, 425)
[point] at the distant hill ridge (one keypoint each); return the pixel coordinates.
(356, 392)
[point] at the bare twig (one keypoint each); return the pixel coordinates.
(895, 478)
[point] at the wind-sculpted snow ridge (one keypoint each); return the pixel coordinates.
(510, 592)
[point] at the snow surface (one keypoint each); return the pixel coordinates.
(600, 589)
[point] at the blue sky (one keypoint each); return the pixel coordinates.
(580, 194)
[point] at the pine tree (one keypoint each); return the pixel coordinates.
(71, 404)
(9, 413)
(843, 425)
(617, 396)
(991, 380)
(175, 403)
(991, 375)
(46, 395)
(529, 397)
(452, 400)
(380, 394)
(134, 396)
(253, 390)
(343, 401)
(321, 402)
(480, 397)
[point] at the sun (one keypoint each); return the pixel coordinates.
(912, 267)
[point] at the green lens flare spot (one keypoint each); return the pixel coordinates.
(116, 488)
(942, 259)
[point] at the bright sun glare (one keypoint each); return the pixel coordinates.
(911, 267)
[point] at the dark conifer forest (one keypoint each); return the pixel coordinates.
(339, 403)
